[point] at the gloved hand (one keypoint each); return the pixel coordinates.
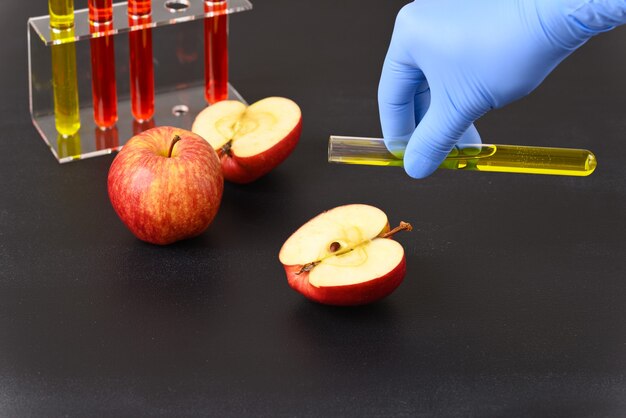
(451, 61)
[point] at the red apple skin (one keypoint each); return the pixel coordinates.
(163, 200)
(350, 295)
(243, 170)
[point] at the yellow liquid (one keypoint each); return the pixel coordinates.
(390, 161)
(520, 159)
(494, 158)
(64, 83)
(61, 13)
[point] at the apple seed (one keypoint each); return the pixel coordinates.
(334, 247)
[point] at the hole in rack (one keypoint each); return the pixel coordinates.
(180, 110)
(176, 6)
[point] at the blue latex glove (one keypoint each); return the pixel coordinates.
(451, 61)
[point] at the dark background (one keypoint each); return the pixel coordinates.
(514, 303)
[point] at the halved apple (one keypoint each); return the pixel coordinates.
(250, 140)
(345, 256)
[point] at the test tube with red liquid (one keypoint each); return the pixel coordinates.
(139, 7)
(141, 67)
(103, 63)
(216, 51)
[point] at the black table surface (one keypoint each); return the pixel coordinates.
(514, 303)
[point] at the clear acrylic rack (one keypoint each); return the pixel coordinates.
(178, 57)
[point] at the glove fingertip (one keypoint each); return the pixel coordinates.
(419, 166)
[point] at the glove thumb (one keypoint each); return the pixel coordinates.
(433, 139)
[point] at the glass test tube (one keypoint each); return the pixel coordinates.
(141, 67)
(100, 11)
(216, 51)
(61, 14)
(103, 63)
(480, 157)
(139, 7)
(64, 80)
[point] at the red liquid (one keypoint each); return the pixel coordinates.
(141, 70)
(216, 53)
(107, 138)
(139, 7)
(103, 77)
(100, 11)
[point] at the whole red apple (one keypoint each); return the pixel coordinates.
(250, 140)
(345, 256)
(166, 185)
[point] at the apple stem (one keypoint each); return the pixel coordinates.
(404, 226)
(174, 141)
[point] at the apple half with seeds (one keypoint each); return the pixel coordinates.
(250, 140)
(345, 256)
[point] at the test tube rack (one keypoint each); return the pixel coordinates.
(178, 44)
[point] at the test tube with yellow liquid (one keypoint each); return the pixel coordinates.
(61, 14)
(478, 157)
(64, 81)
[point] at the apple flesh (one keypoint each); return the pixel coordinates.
(166, 185)
(250, 140)
(345, 256)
